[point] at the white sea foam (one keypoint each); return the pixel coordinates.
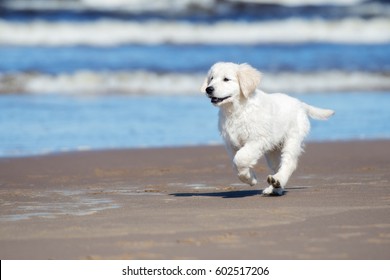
(115, 32)
(150, 83)
(146, 6)
(113, 5)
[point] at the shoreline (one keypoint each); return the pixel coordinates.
(87, 150)
(186, 203)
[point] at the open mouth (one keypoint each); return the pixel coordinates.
(216, 100)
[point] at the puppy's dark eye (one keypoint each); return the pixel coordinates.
(226, 80)
(211, 78)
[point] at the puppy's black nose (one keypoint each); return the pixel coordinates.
(209, 90)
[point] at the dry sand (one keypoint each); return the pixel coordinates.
(186, 203)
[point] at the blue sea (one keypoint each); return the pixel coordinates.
(86, 75)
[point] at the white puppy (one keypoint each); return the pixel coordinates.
(253, 123)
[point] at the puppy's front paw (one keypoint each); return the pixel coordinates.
(274, 187)
(248, 178)
(273, 182)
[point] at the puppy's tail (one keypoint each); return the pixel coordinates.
(318, 113)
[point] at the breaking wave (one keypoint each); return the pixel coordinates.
(117, 32)
(151, 83)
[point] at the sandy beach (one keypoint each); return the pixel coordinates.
(186, 203)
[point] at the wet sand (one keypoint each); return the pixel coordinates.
(186, 203)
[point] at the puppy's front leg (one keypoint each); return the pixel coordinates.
(244, 160)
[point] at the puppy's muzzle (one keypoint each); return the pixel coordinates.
(214, 100)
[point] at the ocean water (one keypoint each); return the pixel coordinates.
(42, 124)
(81, 74)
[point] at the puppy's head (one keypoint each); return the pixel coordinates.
(227, 82)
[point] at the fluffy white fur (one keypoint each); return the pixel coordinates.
(254, 123)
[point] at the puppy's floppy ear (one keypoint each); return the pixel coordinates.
(249, 78)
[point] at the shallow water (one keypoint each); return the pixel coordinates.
(43, 124)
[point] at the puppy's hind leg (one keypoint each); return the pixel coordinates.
(273, 160)
(288, 163)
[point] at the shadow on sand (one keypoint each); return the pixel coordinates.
(233, 194)
(227, 194)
